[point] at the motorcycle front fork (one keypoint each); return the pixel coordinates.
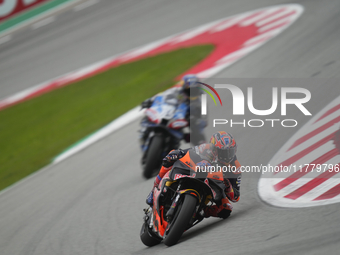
(169, 215)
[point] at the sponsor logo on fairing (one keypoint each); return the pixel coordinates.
(178, 176)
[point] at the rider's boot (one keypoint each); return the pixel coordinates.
(222, 210)
(149, 199)
(162, 172)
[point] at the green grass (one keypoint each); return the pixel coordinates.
(33, 132)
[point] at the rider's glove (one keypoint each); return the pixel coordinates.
(227, 184)
(149, 198)
(147, 103)
(172, 157)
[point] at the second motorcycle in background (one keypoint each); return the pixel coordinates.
(170, 117)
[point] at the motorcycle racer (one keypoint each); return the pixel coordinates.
(189, 94)
(221, 150)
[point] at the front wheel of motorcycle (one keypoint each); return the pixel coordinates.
(181, 222)
(154, 156)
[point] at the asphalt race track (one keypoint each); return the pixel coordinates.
(92, 202)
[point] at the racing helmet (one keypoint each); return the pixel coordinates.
(223, 146)
(190, 86)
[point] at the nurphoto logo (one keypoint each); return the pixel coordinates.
(238, 108)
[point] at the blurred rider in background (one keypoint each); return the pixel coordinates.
(222, 151)
(189, 93)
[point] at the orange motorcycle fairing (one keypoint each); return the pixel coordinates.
(159, 222)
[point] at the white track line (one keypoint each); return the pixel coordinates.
(266, 183)
(259, 17)
(310, 157)
(84, 5)
(306, 144)
(272, 18)
(5, 39)
(113, 126)
(43, 22)
(315, 192)
(38, 17)
(321, 189)
(281, 22)
(229, 23)
(306, 178)
(262, 36)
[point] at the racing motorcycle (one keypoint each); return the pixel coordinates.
(179, 201)
(162, 130)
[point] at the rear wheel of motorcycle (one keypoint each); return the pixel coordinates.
(146, 237)
(181, 222)
(153, 157)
